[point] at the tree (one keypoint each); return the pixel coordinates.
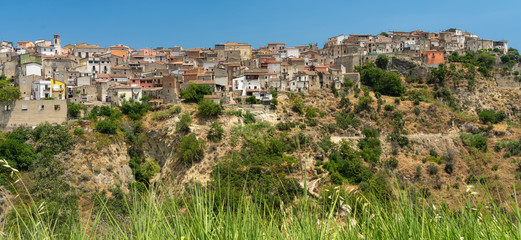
(55, 138)
(209, 108)
(74, 110)
(19, 154)
(190, 149)
(386, 83)
(195, 92)
(384, 33)
(106, 126)
(382, 61)
(8, 93)
(134, 110)
(439, 74)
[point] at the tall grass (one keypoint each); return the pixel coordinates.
(336, 215)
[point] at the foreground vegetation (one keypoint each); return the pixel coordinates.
(336, 214)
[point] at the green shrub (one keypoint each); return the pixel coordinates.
(134, 110)
(285, 126)
(79, 132)
(209, 108)
(474, 140)
(252, 100)
(382, 61)
(491, 116)
(417, 111)
(195, 92)
(56, 139)
(190, 149)
(513, 148)
(311, 113)
(432, 169)
(336, 178)
(449, 168)
(74, 110)
(344, 120)
(149, 169)
(106, 126)
(364, 104)
(249, 118)
(392, 163)
(387, 83)
(18, 154)
(216, 132)
(389, 108)
(183, 125)
(297, 105)
(402, 141)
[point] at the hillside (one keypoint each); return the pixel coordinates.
(446, 136)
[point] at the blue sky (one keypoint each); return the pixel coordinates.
(193, 23)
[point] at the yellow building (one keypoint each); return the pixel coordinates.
(243, 48)
(57, 89)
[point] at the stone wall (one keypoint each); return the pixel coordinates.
(30, 113)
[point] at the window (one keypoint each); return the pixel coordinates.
(24, 107)
(42, 107)
(57, 107)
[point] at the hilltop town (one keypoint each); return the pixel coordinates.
(383, 125)
(50, 75)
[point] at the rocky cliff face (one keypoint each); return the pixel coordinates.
(100, 165)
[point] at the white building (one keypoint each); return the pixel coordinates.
(85, 50)
(93, 66)
(41, 89)
(46, 50)
(290, 52)
(238, 83)
(32, 69)
(126, 93)
(299, 84)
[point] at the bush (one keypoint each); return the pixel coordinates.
(382, 61)
(432, 169)
(364, 104)
(392, 163)
(216, 132)
(134, 110)
(284, 126)
(491, 116)
(79, 132)
(209, 108)
(336, 178)
(297, 105)
(389, 108)
(417, 111)
(474, 140)
(74, 110)
(449, 168)
(54, 138)
(311, 113)
(18, 154)
(402, 141)
(183, 125)
(106, 126)
(195, 92)
(249, 117)
(344, 120)
(252, 100)
(190, 149)
(387, 83)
